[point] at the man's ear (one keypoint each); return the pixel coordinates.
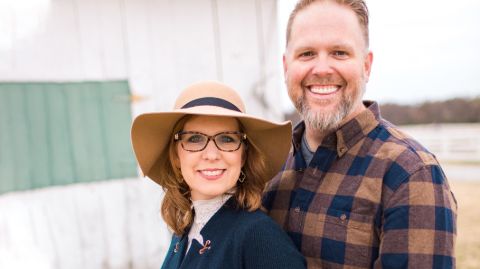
(285, 67)
(367, 65)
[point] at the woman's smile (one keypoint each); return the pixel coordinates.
(212, 173)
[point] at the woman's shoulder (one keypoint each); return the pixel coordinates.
(256, 220)
(256, 238)
(245, 216)
(267, 245)
(255, 217)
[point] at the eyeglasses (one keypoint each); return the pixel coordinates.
(196, 141)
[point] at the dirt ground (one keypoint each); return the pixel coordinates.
(467, 249)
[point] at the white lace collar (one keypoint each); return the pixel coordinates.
(204, 210)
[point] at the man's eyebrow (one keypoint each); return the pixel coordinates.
(305, 47)
(338, 46)
(342, 46)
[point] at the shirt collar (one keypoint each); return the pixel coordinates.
(348, 134)
(221, 220)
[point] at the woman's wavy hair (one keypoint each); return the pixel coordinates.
(176, 205)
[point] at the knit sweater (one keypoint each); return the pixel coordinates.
(235, 238)
(204, 210)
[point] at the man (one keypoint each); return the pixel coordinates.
(356, 192)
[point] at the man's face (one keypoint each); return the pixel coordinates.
(326, 65)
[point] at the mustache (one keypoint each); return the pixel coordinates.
(322, 80)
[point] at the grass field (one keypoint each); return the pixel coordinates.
(468, 229)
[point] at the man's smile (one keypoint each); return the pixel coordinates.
(323, 89)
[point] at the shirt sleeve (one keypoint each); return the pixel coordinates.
(267, 246)
(419, 223)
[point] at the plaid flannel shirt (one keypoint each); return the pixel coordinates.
(372, 197)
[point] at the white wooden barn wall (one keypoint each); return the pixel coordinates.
(160, 46)
(108, 225)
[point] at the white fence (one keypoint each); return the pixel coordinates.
(451, 143)
(457, 147)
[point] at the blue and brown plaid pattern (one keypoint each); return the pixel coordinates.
(372, 197)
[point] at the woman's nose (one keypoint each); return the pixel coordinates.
(211, 151)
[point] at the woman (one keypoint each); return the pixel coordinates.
(213, 161)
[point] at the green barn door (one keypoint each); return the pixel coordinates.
(63, 133)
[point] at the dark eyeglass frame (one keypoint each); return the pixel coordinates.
(243, 137)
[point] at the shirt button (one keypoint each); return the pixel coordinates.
(342, 150)
(297, 209)
(343, 217)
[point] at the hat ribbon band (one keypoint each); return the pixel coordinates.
(211, 101)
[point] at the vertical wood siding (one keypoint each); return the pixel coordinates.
(107, 225)
(63, 133)
(159, 46)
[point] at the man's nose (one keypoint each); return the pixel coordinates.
(322, 66)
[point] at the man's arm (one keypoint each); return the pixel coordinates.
(419, 223)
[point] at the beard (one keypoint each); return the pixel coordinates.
(325, 121)
(322, 121)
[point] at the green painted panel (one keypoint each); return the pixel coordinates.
(115, 109)
(7, 163)
(38, 136)
(64, 133)
(78, 121)
(59, 135)
(20, 151)
(94, 117)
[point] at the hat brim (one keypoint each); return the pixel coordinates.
(151, 133)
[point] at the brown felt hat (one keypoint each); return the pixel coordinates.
(151, 132)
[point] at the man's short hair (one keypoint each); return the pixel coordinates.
(358, 6)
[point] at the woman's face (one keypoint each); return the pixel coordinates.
(210, 172)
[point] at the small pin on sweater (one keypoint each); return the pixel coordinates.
(205, 247)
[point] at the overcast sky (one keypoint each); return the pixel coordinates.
(423, 49)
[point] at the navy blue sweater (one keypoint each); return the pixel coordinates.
(238, 239)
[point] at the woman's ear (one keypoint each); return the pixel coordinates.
(176, 163)
(244, 154)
